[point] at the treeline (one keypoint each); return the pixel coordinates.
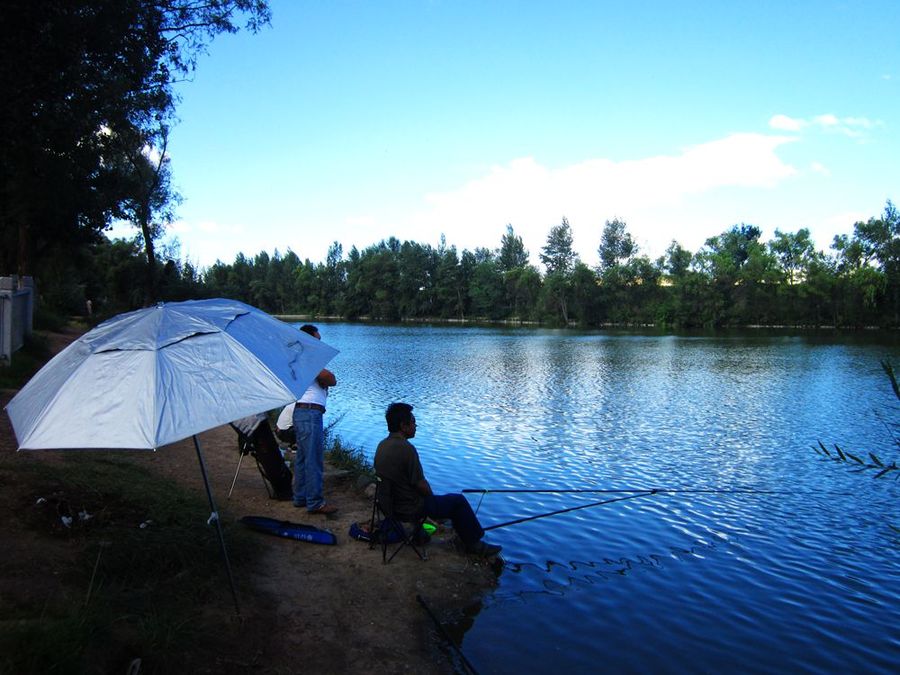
(735, 279)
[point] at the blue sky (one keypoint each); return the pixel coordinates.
(355, 121)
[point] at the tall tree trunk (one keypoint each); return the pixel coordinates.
(150, 283)
(23, 248)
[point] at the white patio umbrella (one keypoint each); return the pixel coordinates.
(151, 377)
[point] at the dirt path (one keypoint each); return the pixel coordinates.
(331, 609)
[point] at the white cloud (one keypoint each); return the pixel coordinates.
(361, 221)
(826, 121)
(785, 123)
(205, 241)
(688, 196)
(839, 223)
(650, 194)
(853, 127)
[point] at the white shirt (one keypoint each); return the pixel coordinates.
(315, 394)
(286, 418)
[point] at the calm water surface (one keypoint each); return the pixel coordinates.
(805, 580)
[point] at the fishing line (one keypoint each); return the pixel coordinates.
(483, 495)
(724, 491)
(548, 490)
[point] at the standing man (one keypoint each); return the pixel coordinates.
(309, 460)
(397, 460)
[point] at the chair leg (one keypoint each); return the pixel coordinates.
(406, 539)
(240, 459)
(372, 525)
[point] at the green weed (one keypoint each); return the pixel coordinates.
(146, 564)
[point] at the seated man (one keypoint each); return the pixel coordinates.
(397, 460)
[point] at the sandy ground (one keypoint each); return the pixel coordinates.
(334, 609)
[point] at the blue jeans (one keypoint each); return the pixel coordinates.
(309, 462)
(457, 508)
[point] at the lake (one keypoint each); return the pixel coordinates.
(788, 562)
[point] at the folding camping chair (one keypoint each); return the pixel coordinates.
(393, 528)
(261, 443)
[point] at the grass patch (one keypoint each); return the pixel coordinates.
(343, 456)
(348, 458)
(137, 573)
(25, 362)
(45, 318)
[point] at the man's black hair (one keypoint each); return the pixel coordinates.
(309, 329)
(397, 414)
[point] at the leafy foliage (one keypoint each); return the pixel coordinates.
(88, 97)
(872, 462)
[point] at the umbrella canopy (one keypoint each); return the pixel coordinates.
(158, 375)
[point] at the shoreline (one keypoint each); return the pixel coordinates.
(666, 330)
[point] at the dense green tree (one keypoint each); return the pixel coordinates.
(486, 291)
(628, 282)
(355, 300)
(559, 257)
(512, 253)
(866, 267)
(523, 289)
(261, 290)
(415, 292)
(742, 273)
(334, 275)
(448, 287)
(677, 260)
(585, 295)
(818, 294)
(374, 280)
(558, 254)
(794, 252)
(879, 238)
(616, 245)
(644, 295)
(308, 287)
(879, 242)
(554, 299)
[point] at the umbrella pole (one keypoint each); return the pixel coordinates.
(214, 516)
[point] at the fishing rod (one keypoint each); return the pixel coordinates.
(630, 493)
(571, 508)
(443, 631)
